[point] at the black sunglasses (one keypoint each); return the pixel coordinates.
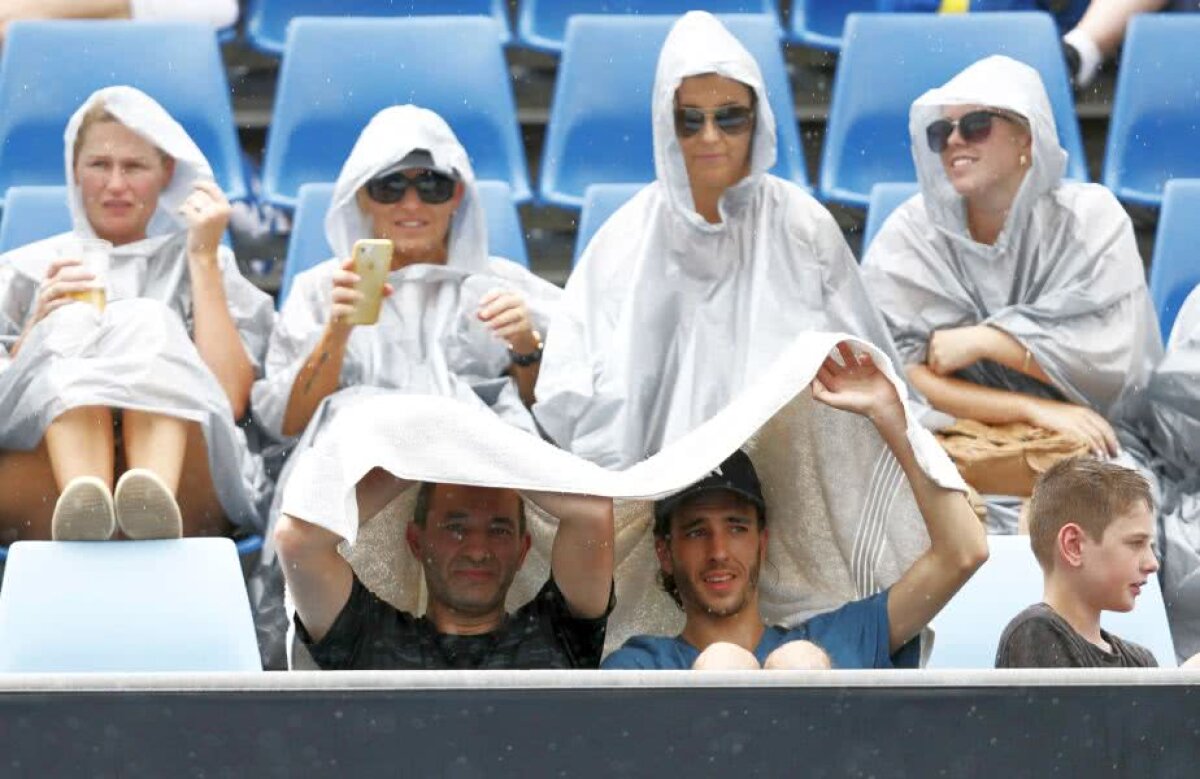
(730, 119)
(974, 127)
(432, 187)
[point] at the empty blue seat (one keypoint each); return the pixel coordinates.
(31, 214)
(599, 203)
(48, 69)
(453, 65)
(267, 20)
(819, 23)
(600, 129)
(967, 631)
(1175, 270)
(884, 199)
(125, 606)
(308, 247)
(1154, 133)
(889, 60)
(542, 24)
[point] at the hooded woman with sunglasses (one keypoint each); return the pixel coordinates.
(697, 284)
(1012, 296)
(147, 388)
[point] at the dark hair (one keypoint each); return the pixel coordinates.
(663, 531)
(1089, 492)
(425, 497)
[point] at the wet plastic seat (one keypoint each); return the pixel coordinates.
(599, 203)
(31, 214)
(884, 200)
(819, 23)
(1175, 270)
(599, 130)
(889, 60)
(48, 69)
(453, 65)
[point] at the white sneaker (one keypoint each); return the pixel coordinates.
(145, 507)
(84, 511)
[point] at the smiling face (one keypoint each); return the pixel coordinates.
(419, 230)
(120, 177)
(1116, 567)
(990, 166)
(471, 546)
(715, 160)
(714, 554)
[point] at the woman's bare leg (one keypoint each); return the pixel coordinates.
(202, 511)
(30, 491)
(80, 443)
(155, 442)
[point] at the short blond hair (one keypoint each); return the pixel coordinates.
(99, 114)
(1088, 492)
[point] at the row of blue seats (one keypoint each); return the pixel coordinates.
(32, 213)
(599, 126)
(542, 24)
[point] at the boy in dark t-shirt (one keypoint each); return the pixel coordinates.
(1091, 525)
(471, 542)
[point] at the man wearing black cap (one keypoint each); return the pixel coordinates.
(711, 541)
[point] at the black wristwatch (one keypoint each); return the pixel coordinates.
(525, 360)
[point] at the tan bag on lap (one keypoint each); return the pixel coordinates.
(1006, 459)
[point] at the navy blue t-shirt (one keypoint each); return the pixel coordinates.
(854, 636)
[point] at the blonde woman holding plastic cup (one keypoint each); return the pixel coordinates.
(121, 418)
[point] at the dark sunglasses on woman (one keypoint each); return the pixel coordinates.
(730, 119)
(432, 187)
(973, 127)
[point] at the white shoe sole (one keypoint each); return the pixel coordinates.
(145, 508)
(84, 511)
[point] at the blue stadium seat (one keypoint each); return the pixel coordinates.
(968, 629)
(31, 214)
(125, 606)
(1175, 270)
(542, 24)
(1154, 132)
(819, 23)
(600, 129)
(307, 245)
(48, 69)
(267, 20)
(452, 65)
(891, 59)
(884, 199)
(599, 203)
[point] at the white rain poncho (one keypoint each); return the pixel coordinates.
(667, 317)
(1064, 277)
(1169, 422)
(138, 354)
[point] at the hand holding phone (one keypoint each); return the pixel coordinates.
(371, 260)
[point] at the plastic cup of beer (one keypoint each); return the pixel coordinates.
(93, 255)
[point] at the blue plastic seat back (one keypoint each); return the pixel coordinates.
(453, 65)
(967, 631)
(1154, 132)
(889, 60)
(819, 23)
(600, 128)
(1175, 270)
(884, 199)
(48, 69)
(31, 214)
(267, 20)
(308, 247)
(599, 203)
(542, 24)
(125, 606)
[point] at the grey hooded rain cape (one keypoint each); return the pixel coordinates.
(138, 354)
(667, 317)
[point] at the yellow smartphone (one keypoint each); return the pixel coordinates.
(372, 261)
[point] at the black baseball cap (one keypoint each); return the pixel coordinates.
(736, 475)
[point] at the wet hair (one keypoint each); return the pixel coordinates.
(663, 531)
(99, 114)
(1088, 492)
(425, 497)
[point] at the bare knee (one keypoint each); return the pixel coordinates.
(798, 656)
(723, 656)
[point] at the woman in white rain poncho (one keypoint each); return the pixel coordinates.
(1012, 296)
(700, 281)
(455, 322)
(151, 389)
